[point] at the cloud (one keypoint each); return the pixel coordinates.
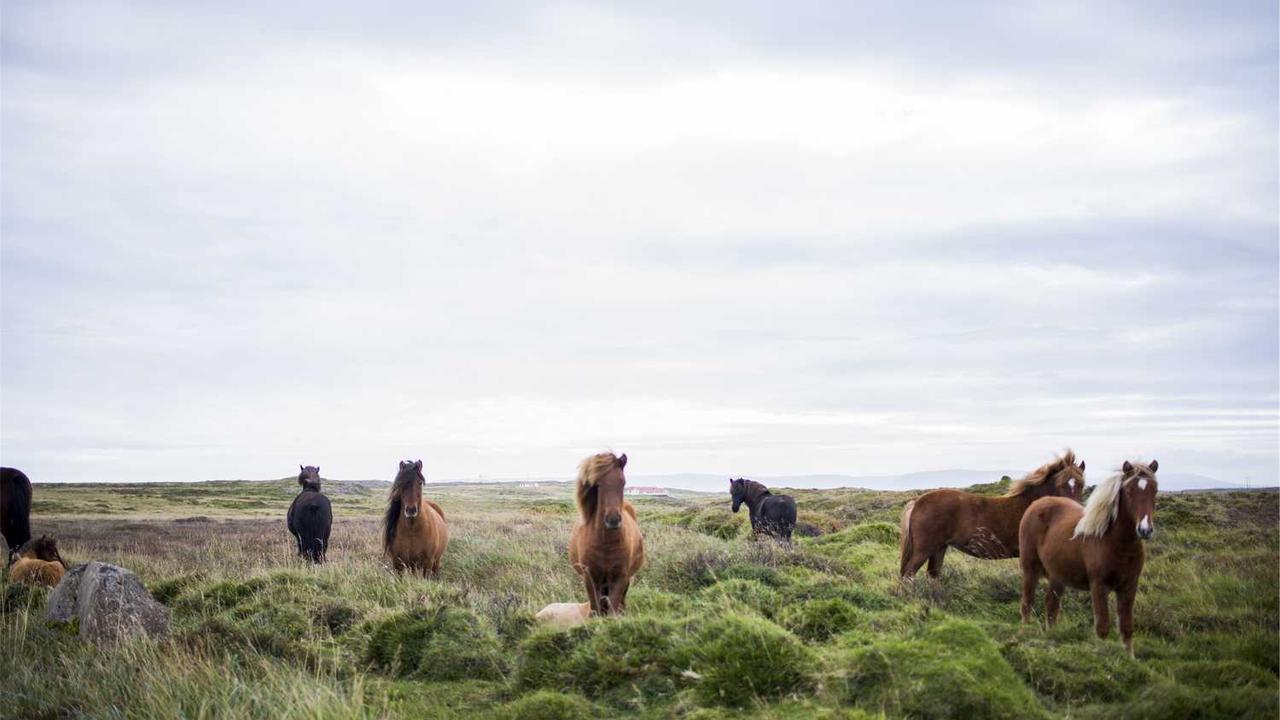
(502, 236)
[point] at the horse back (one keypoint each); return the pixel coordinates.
(33, 571)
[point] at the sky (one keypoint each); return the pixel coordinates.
(745, 238)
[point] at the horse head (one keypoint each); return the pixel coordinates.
(1068, 482)
(737, 491)
(309, 477)
(1138, 490)
(408, 488)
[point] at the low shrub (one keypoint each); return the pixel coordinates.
(440, 643)
(1077, 673)
(952, 670)
(819, 620)
(737, 594)
(741, 658)
(547, 705)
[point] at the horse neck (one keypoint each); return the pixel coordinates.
(755, 497)
(1122, 530)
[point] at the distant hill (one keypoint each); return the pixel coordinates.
(706, 482)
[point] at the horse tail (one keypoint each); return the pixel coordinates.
(905, 544)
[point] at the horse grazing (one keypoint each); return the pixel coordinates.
(15, 508)
(310, 516)
(414, 532)
(984, 527)
(772, 515)
(605, 548)
(1097, 547)
(38, 563)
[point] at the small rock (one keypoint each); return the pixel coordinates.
(110, 602)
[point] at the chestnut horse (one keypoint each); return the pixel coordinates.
(38, 563)
(414, 534)
(984, 527)
(605, 548)
(1097, 547)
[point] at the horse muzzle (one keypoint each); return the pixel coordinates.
(411, 513)
(613, 522)
(1146, 528)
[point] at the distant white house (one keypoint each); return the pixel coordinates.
(647, 490)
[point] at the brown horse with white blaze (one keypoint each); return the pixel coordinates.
(606, 548)
(414, 531)
(984, 527)
(1098, 547)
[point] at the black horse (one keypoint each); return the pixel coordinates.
(310, 516)
(15, 508)
(773, 515)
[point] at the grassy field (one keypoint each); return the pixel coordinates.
(719, 626)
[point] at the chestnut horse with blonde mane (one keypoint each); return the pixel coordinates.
(605, 548)
(1097, 547)
(984, 527)
(414, 532)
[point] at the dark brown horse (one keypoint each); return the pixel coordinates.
(310, 516)
(1097, 547)
(605, 548)
(15, 508)
(414, 531)
(984, 527)
(772, 515)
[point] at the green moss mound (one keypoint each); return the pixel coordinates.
(718, 523)
(819, 620)
(952, 670)
(742, 658)
(1163, 701)
(738, 594)
(547, 705)
(881, 533)
(1221, 674)
(612, 659)
(436, 644)
(1077, 673)
(16, 596)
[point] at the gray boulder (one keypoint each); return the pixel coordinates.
(110, 602)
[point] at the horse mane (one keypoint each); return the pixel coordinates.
(1104, 504)
(590, 472)
(754, 490)
(404, 477)
(1041, 474)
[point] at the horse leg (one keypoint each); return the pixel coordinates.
(593, 598)
(935, 563)
(1030, 579)
(1124, 608)
(1053, 601)
(1101, 613)
(618, 595)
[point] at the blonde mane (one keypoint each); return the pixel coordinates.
(590, 471)
(1104, 504)
(1041, 474)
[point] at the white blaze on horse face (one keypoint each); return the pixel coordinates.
(1142, 483)
(1144, 524)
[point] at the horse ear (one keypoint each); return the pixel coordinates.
(417, 464)
(404, 464)
(301, 469)
(1081, 466)
(1127, 467)
(1154, 465)
(317, 471)
(622, 461)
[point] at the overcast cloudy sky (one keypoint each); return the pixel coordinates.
(730, 237)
